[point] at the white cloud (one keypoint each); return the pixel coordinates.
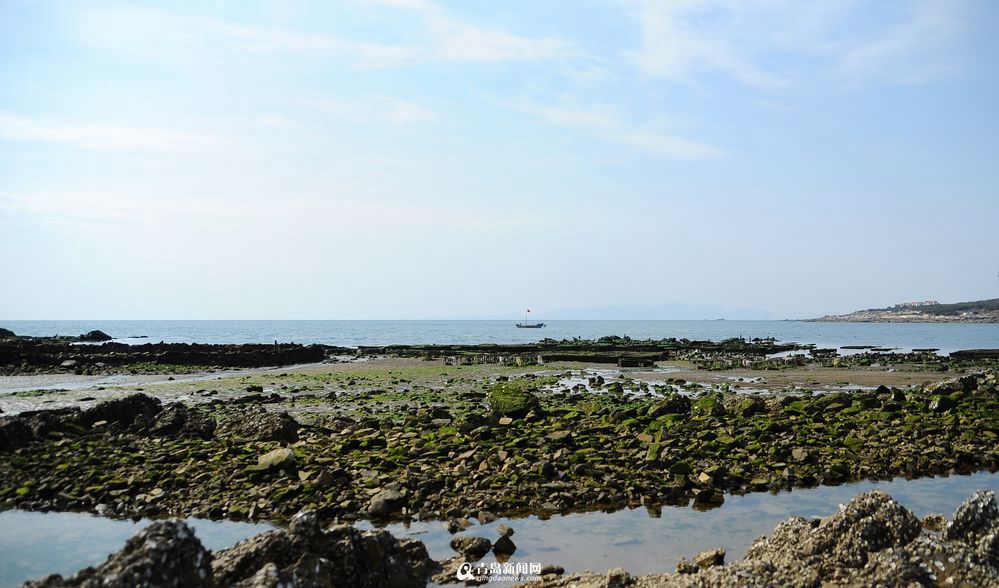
(681, 39)
(911, 51)
(605, 123)
(453, 40)
(755, 42)
(110, 137)
(443, 39)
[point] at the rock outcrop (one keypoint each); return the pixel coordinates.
(166, 554)
(872, 541)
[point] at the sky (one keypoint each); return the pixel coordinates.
(426, 159)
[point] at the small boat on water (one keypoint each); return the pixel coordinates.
(527, 324)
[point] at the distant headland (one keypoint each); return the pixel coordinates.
(930, 311)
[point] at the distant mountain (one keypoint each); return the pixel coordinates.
(978, 311)
(671, 311)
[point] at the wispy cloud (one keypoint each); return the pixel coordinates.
(441, 38)
(365, 54)
(911, 51)
(454, 40)
(605, 123)
(379, 109)
(96, 136)
(753, 42)
(682, 39)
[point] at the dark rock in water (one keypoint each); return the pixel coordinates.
(305, 555)
(96, 336)
(7, 334)
(474, 547)
(164, 554)
(261, 426)
(167, 554)
(504, 546)
(178, 420)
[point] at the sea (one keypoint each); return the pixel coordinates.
(945, 337)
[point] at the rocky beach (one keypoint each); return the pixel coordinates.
(470, 433)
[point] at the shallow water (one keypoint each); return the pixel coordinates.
(643, 543)
(36, 544)
(33, 545)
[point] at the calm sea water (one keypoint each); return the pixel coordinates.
(946, 337)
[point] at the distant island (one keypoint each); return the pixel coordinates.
(930, 311)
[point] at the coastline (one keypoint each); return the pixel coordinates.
(456, 434)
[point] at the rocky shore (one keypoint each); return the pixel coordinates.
(451, 434)
(981, 311)
(34, 355)
(31, 355)
(500, 446)
(872, 541)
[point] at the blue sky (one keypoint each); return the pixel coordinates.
(419, 159)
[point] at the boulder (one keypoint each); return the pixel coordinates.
(95, 336)
(164, 554)
(124, 411)
(672, 403)
(975, 518)
(280, 458)
(7, 334)
(474, 547)
(178, 420)
(709, 405)
(261, 426)
(509, 400)
(710, 558)
(504, 546)
(942, 403)
(386, 502)
(306, 555)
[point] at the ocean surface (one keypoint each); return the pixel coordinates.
(945, 337)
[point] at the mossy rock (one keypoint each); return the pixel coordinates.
(748, 406)
(709, 405)
(672, 403)
(509, 400)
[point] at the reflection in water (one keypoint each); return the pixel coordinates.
(33, 545)
(642, 543)
(36, 544)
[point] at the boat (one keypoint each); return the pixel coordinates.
(528, 324)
